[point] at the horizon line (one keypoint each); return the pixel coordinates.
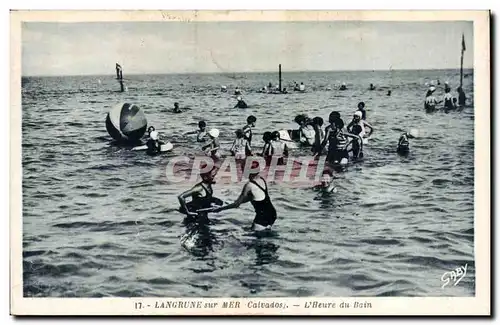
(242, 72)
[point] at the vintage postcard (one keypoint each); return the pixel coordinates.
(250, 163)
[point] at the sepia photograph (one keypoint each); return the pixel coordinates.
(250, 160)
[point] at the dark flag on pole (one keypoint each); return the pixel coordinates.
(463, 43)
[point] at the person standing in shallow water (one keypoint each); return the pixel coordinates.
(241, 103)
(201, 133)
(266, 149)
(461, 97)
(279, 149)
(247, 129)
(256, 192)
(212, 147)
(198, 238)
(240, 148)
(404, 142)
(430, 101)
(448, 101)
(337, 140)
(361, 108)
(201, 196)
(319, 134)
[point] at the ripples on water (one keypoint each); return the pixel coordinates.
(99, 220)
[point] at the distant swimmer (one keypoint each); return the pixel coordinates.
(404, 143)
(461, 97)
(201, 133)
(279, 149)
(306, 130)
(447, 87)
(372, 87)
(357, 120)
(177, 109)
(302, 87)
(448, 100)
(389, 93)
(241, 103)
(247, 129)
(319, 134)
(296, 87)
(343, 86)
(237, 91)
(361, 108)
(240, 148)
(223, 89)
(212, 147)
(255, 191)
(201, 196)
(430, 101)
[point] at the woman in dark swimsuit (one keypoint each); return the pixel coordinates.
(202, 197)
(199, 239)
(255, 191)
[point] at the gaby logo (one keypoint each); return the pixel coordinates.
(299, 171)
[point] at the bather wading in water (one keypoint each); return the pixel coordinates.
(198, 237)
(256, 192)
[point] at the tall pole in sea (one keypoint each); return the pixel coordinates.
(119, 76)
(279, 77)
(462, 61)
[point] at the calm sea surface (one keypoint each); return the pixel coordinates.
(100, 220)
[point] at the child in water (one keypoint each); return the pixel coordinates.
(306, 130)
(240, 149)
(201, 133)
(154, 143)
(212, 147)
(279, 149)
(356, 144)
(319, 135)
(266, 150)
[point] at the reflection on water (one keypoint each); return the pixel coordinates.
(198, 239)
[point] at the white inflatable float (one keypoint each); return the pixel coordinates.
(164, 147)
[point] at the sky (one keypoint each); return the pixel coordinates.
(93, 48)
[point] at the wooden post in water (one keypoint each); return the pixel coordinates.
(462, 61)
(119, 76)
(280, 77)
